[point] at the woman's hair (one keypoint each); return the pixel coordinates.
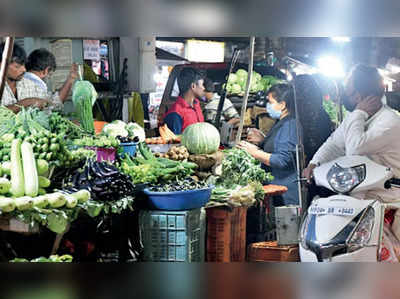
(283, 92)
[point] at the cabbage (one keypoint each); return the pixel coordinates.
(135, 129)
(229, 88)
(253, 86)
(241, 73)
(115, 129)
(232, 79)
(119, 123)
(256, 76)
(57, 222)
(236, 88)
(242, 81)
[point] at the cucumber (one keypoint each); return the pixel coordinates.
(30, 170)
(17, 175)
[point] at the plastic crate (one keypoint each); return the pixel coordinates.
(272, 252)
(226, 234)
(173, 236)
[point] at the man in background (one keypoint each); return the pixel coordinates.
(186, 110)
(16, 85)
(229, 112)
(41, 63)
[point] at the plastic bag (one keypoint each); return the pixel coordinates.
(390, 247)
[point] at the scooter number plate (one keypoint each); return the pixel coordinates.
(338, 211)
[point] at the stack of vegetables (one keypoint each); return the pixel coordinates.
(166, 136)
(240, 180)
(118, 128)
(104, 181)
(64, 127)
(100, 141)
(24, 195)
(32, 126)
(236, 82)
(84, 96)
(177, 153)
(146, 168)
(66, 258)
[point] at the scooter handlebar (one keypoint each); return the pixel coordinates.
(393, 182)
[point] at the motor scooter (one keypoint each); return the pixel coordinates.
(344, 227)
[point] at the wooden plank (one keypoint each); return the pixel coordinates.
(6, 57)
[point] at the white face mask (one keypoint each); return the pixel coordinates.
(275, 114)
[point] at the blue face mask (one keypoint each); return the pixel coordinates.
(275, 114)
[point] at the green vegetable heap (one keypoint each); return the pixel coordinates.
(149, 169)
(62, 126)
(84, 96)
(240, 168)
(32, 125)
(236, 82)
(52, 259)
(97, 141)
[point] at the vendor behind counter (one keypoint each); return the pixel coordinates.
(186, 110)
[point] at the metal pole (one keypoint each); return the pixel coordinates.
(246, 95)
(235, 56)
(7, 54)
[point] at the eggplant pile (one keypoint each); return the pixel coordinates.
(104, 181)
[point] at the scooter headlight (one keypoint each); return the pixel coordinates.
(362, 234)
(343, 180)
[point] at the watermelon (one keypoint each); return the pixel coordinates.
(201, 138)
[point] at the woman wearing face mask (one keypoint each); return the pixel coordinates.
(276, 150)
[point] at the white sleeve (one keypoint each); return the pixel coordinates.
(366, 142)
(333, 147)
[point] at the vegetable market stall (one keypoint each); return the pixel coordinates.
(105, 195)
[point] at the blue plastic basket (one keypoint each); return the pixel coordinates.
(179, 200)
(173, 236)
(129, 148)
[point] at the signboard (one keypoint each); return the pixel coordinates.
(91, 49)
(205, 51)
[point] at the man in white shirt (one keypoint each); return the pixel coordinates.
(371, 129)
(16, 83)
(40, 65)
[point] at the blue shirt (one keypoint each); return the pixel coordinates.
(281, 142)
(174, 122)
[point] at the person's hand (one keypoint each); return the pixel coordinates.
(234, 121)
(308, 172)
(73, 72)
(371, 105)
(248, 147)
(255, 136)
